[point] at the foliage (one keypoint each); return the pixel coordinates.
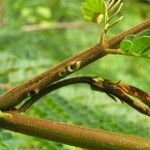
(102, 11)
(25, 54)
(92, 10)
(137, 44)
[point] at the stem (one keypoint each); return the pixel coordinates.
(118, 90)
(73, 135)
(53, 87)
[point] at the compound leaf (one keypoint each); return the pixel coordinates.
(137, 44)
(126, 45)
(92, 9)
(141, 45)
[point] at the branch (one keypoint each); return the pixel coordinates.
(52, 87)
(73, 135)
(36, 84)
(111, 88)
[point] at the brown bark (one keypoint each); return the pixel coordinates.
(73, 135)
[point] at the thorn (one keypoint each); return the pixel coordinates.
(117, 83)
(98, 80)
(37, 90)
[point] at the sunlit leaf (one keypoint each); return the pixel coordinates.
(137, 44)
(141, 45)
(144, 33)
(92, 9)
(126, 45)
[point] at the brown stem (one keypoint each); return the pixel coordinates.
(118, 90)
(53, 87)
(73, 135)
(19, 93)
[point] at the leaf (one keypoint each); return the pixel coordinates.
(92, 9)
(144, 33)
(130, 37)
(141, 45)
(137, 44)
(126, 45)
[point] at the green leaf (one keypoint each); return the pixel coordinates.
(126, 45)
(144, 33)
(141, 45)
(137, 44)
(92, 9)
(130, 37)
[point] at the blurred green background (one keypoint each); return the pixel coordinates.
(33, 38)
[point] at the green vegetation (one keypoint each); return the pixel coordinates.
(137, 44)
(25, 53)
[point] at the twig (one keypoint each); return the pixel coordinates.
(120, 91)
(34, 98)
(93, 139)
(111, 88)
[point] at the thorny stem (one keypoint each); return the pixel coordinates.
(116, 89)
(53, 87)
